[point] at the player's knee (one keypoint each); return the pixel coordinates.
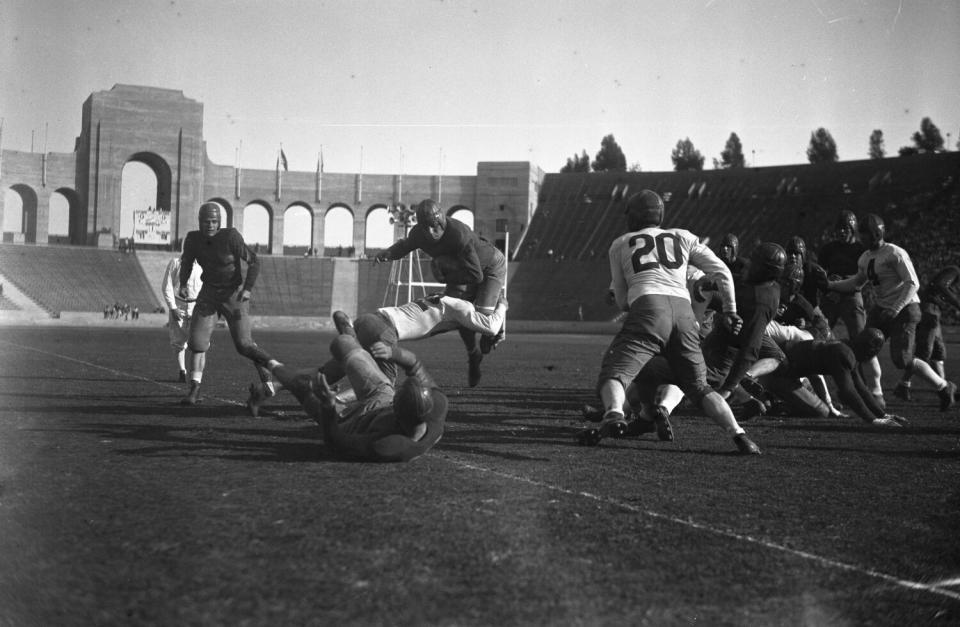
(199, 347)
(343, 345)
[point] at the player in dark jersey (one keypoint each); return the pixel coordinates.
(938, 294)
(225, 292)
(729, 355)
(812, 273)
(838, 360)
(469, 260)
(729, 253)
(839, 259)
(386, 422)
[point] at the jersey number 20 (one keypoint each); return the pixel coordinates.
(643, 257)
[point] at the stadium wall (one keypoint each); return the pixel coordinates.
(163, 129)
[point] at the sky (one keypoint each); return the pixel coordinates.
(430, 86)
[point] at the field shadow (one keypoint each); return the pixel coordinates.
(229, 443)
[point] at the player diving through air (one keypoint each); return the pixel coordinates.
(416, 320)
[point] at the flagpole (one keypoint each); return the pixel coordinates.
(360, 178)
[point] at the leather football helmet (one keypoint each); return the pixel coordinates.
(766, 263)
(645, 208)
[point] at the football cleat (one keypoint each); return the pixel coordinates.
(589, 437)
(889, 420)
(948, 396)
(752, 386)
(745, 446)
(591, 413)
(614, 425)
(752, 408)
(473, 368)
(902, 392)
(661, 418)
(193, 396)
(256, 398)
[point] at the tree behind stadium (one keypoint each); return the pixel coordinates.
(822, 148)
(876, 145)
(732, 155)
(610, 158)
(686, 157)
(577, 164)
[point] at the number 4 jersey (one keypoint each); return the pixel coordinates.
(654, 261)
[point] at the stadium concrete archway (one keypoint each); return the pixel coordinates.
(338, 227)
(26, 229)
(463, 214)
(298, 229)
(257, 226)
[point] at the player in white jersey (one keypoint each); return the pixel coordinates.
(896, 310)
(179, 311)
(416, 320)
(648, 266)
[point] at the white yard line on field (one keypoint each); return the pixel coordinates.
(934, 588)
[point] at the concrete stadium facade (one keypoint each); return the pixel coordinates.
(163, 129)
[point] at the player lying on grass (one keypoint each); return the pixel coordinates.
(838, 360)
(386, 422)
(470, 260)
(415, 320)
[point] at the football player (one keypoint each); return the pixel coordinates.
(837, 359)
(839, 258)
(729, 253)
(415, 320)
(386, 422)
(896, 311)
(179, 311)
(480, 263)
(220, 252)
(648, 265)
(936, 295)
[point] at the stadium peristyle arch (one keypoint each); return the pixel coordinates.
(25, 228)
(163, 129)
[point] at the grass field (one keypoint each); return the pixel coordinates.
(119, 506)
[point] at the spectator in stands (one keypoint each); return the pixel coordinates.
(896, 310)
(180, 310)
(386, 422)
(467, 260)
(225, 291)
